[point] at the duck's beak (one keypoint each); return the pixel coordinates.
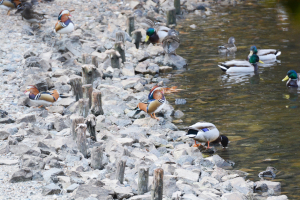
(261, 61)
(286, 78)
(147, 38)
(251, 53)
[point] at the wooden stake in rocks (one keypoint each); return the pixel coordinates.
(81, 139)
(143, 180)
(157, 185)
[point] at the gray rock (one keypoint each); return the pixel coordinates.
(38, 62)
(27, 118)
(19, 149)
(219, 162)
(3, 135)
(76, 180)
(37, 176)
(234, 196)
(51, 173)
(21, 176)
(84, 191)
(264, 186)
(178, 114)
(185, 159)
(51, 189)
(187, 176)
(169, 186)
(72, 187)
(153, 68)
(281, 197)
(4, 161)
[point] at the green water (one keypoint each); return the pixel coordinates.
(258, 112)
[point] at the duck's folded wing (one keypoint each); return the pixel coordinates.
(58, 26)
(201, 125)
(46, 97)
(237, 63)
(262, 52)
(9, 4)
(153, 105)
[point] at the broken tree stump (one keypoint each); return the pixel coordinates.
(119, 46)
(81, 139)
(177, 6)
(130, 25)
(91, 126)
(83, 107)
(96, 158)
(75, 120)
(88, 73)
(157, 191)
(171, 17)
(96, 108)
(121, 170)
(137, 35)
(87, 93)
(76, 85)
(143, 180)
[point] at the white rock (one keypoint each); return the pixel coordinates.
(281, 197)
(234, 196)
(187, 176)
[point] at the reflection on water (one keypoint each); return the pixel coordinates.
(257, 111)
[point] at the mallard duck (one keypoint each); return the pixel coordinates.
(156, 101)
(29, 15)
(264, 54)
(156, 35)
(228, 48)
(9, 5)
(35, 94)
(206, 132)
(171, 42)
(241, 65)
(292, 78)
(64, 24)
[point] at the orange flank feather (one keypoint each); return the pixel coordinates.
(171, 90)
(55, 94)
(143, 107)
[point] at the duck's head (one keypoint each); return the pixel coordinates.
(22, 6)
(291, 74)
(149, 33)
(231, 40)
(64, 12)
(31, 89)
(224, 141)
(253, 50)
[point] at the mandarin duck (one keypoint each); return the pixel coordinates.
(156, 101)
(9, 5)
(228, 48)
(171, 42)
(292, 78)
(206, 132)
(241, 66)
(264, 54)
(35, 94)
(29, 15)
(64, 24)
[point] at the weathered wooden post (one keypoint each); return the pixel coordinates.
(88, 72)
(86, 58)
(96, 108)
(96, 158)
(157, 185)
(119, 46)
(76, 85)
(87, 93)
(83, 107)
(91, 126)
(75, 120)
(81, 139)
(143, 180)
(177, 6)
(137, 38)
(130, 25)
(120, 37)
(171, 17)
(121, 170)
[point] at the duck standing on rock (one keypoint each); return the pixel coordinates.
(42, 97)
(228, 48)
(206, 132)
(171, 42)
(264, 54)
(292, 78)
(29, 15)
(156, 101)
(241, 66)
(9, 5)
(64, 24)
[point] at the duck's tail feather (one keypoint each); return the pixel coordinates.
(138, 110)
(192, 133)
(224, 68)
(278, 53)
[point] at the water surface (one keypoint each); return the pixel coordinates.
(257, 111)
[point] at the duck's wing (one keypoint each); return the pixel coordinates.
(262, 52)
(237, 63)
(170, 44)
(154, 104)
(58, 26)
(37, 16)
(202, 125)
(227, 46)
(9, 4)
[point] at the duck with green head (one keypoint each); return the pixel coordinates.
(156, 36)
(292, 78)
(241, 65)
(264, 54)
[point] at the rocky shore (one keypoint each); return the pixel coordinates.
(39, 156)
